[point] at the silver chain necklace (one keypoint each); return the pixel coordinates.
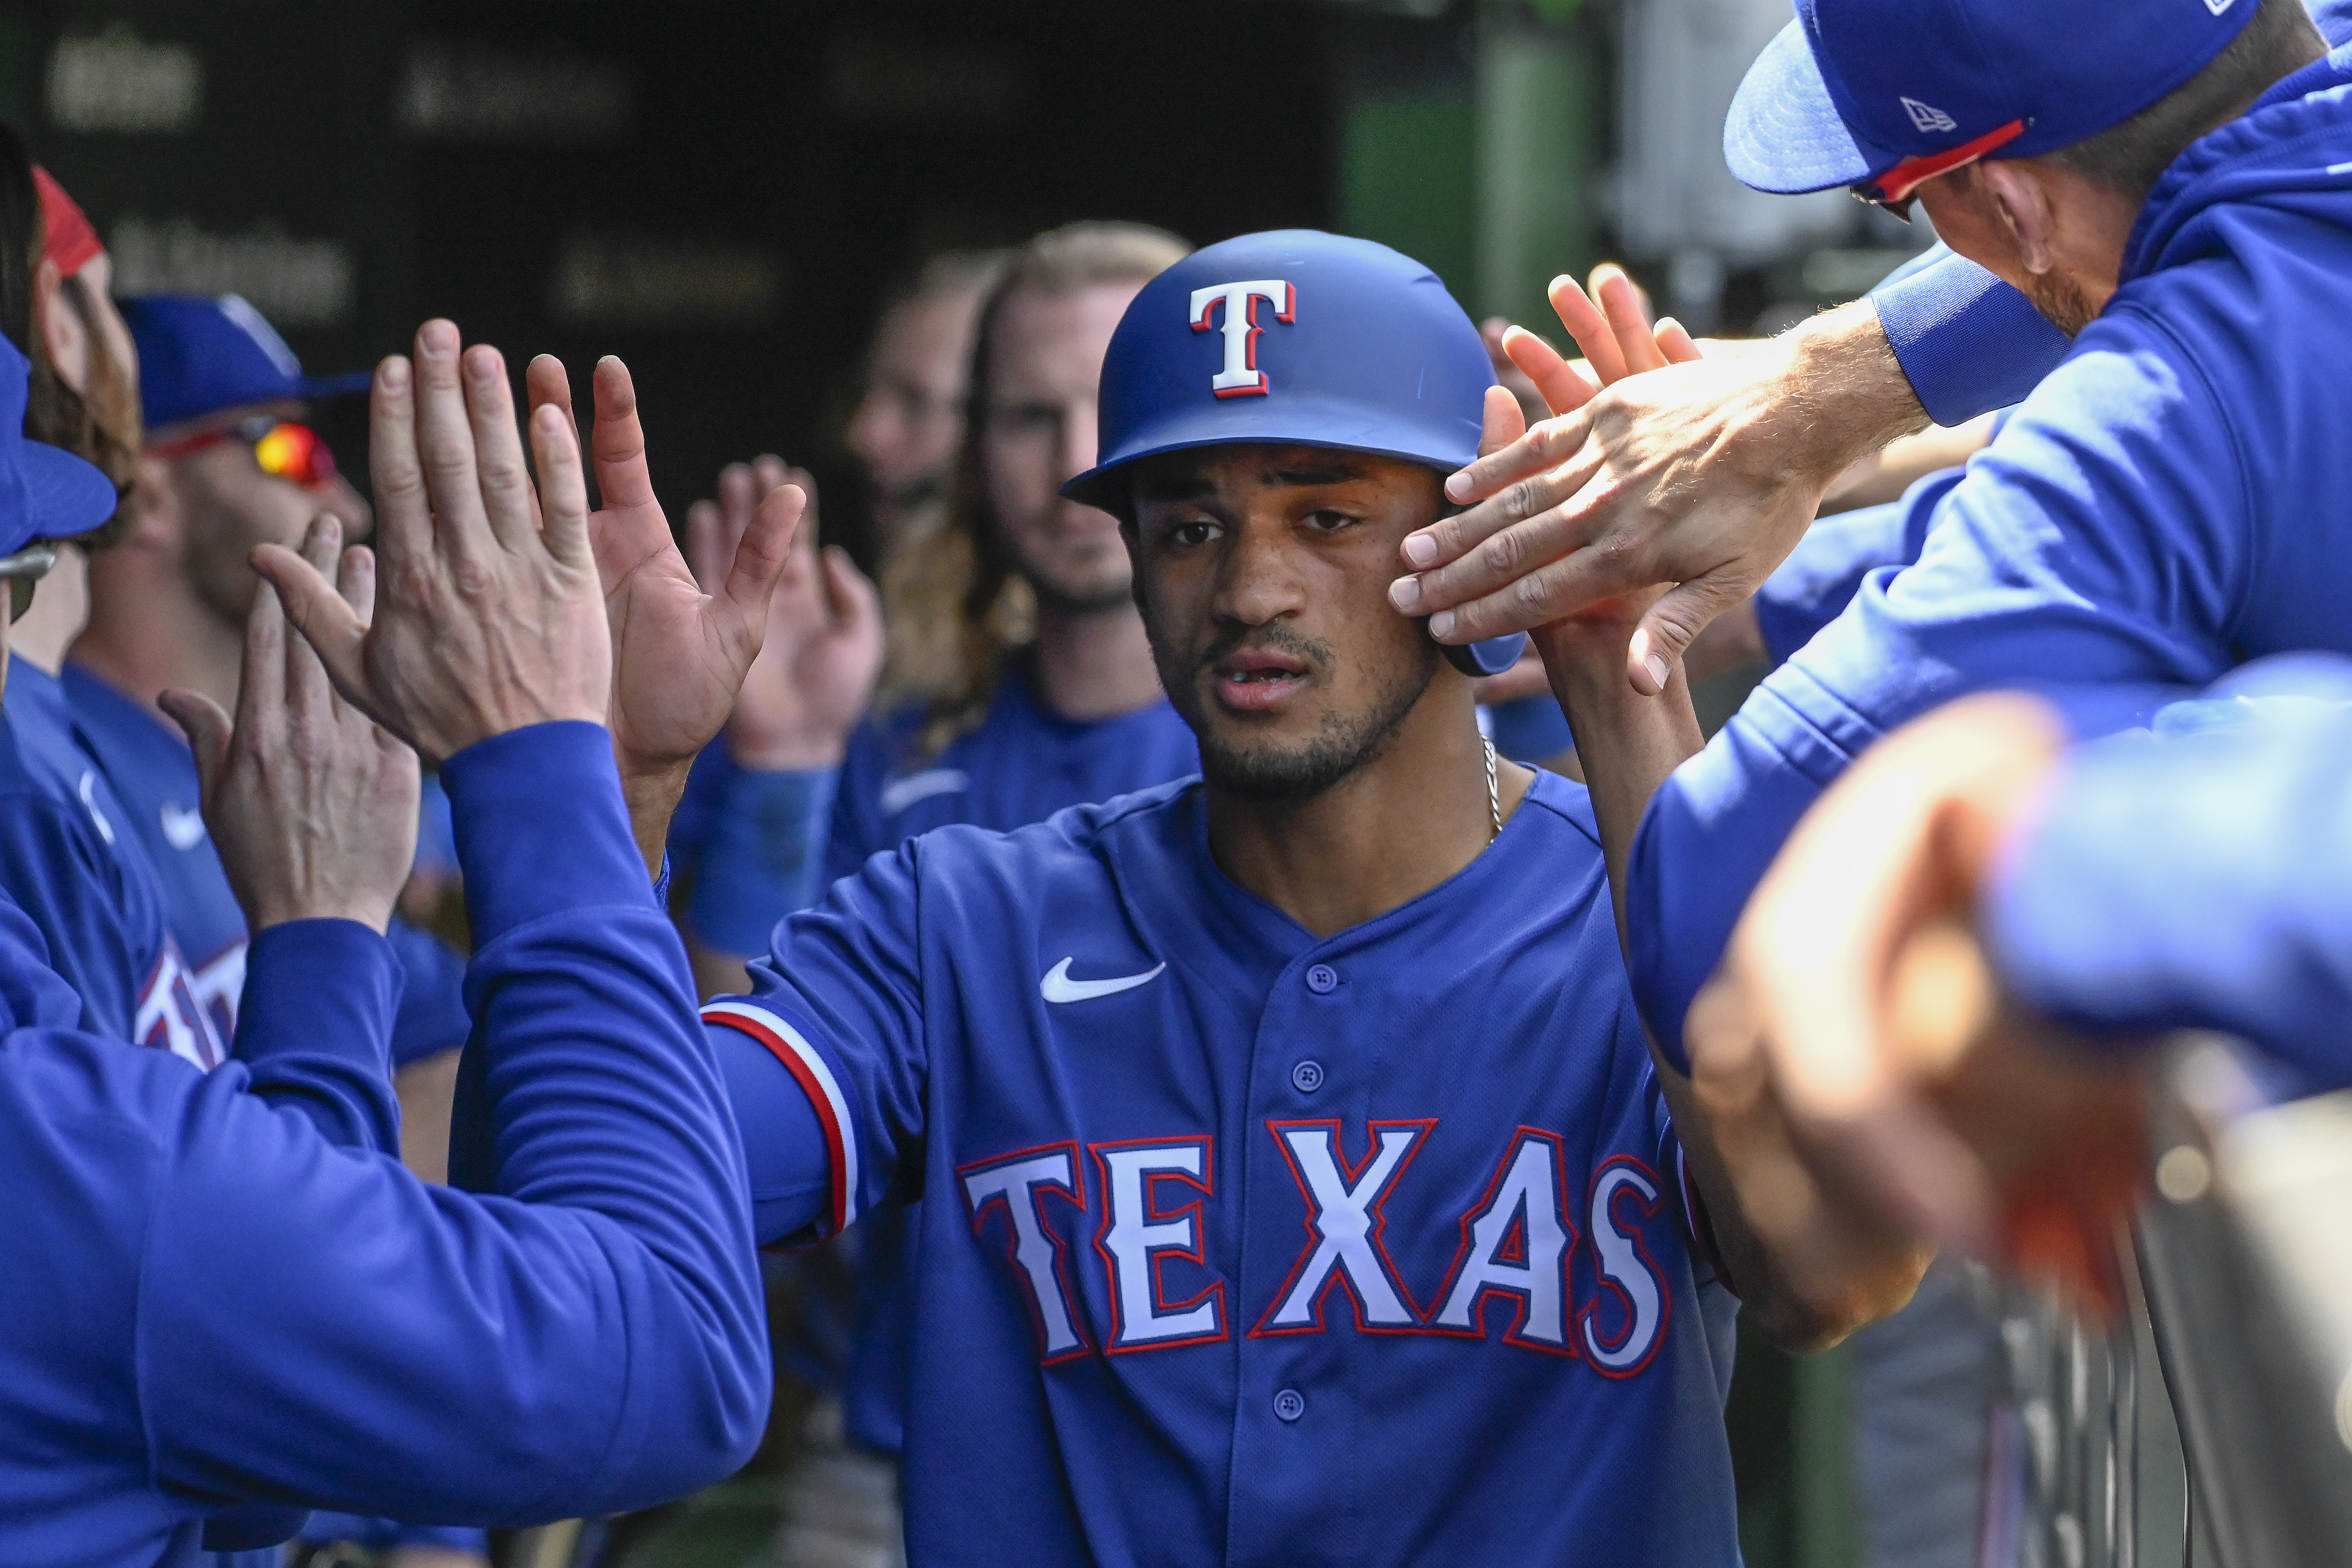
(1494, 789)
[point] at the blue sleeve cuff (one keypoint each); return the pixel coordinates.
(765, 857)
(1969, 342)
(314, 1027)
(310, 983)
(541, 828)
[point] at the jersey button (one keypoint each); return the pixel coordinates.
(1289, 1405)
(1306, 1077)
(1322, 980)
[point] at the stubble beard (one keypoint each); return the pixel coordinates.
(2062, 300)
(1344, 745)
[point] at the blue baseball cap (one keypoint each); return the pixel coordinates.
(45, 493)
(1883, 95)
(1295, 338)
(200, 357)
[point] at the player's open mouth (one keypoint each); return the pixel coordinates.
(1259, 679)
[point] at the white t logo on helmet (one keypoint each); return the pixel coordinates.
(1241, 377)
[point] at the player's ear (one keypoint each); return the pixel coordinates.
(158, 508)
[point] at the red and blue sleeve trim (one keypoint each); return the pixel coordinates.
(808, 1067)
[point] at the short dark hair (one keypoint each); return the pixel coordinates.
(2277, 40)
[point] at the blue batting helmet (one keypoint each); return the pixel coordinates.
(1296, 338)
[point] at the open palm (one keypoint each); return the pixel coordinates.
(678, 653)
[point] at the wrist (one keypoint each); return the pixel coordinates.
(801, 753)
(1838, 374)
(291, 908)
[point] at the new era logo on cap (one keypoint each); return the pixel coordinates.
(1883, 95)
(1927, 117)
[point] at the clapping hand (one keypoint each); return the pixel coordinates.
(312, 806)
(816, 670)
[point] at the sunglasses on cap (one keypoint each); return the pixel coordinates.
(24, 572)
(1893, 191)
(284, 450)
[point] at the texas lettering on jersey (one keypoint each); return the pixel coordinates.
(1538, 1259)
(171, 1017)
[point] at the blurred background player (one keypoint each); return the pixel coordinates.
(228, 467)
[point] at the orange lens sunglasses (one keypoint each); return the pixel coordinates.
(284, 450)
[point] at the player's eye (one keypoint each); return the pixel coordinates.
(1327, 521)
(1194, 532)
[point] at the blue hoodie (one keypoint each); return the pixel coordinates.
(2167, 504)
(224, 1298)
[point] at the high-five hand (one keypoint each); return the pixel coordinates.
(1703, 473)
(679, 654)
(312, 806)
(815, 672)
(488, 615)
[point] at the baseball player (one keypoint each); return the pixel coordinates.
(227, 466)
(1706, 474)
(588, 1339)
(1296, 1184)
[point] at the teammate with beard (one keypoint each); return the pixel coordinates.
(2151, 514)
(1295, 1182)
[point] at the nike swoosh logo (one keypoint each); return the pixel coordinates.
(183, 829)
(1057, 986)
(88, 790)
(900, 793)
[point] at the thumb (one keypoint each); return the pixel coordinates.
(1667, 628)
(1505, 421)
(855, 605)
(208, 726)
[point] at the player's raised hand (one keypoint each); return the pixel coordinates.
(311, 805)
(487, 616)
(680, 652)
(816, 670)
(1702, 472)
(1856, 1050)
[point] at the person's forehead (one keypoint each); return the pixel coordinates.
(1204, 470)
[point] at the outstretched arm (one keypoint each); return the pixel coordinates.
(1629, 744)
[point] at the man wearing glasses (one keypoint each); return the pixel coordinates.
(228, 467)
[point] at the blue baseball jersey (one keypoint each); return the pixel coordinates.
(226, 1297)
(71, 863)
(760, 859)
(1021, 764)
(148, 767)
(1240, 1245)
